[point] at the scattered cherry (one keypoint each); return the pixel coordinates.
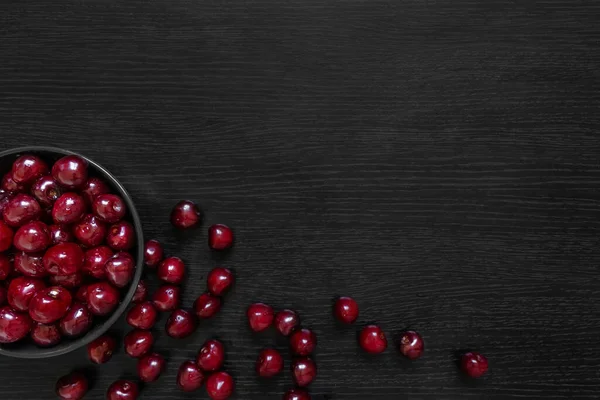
(189, 377)
(269, 363)
(220, 237)
(303, 342)
(123, 390)
(150, 367)
(296, 394)
(95, 261)
(185, 215)
(120, 269)
(72, 387)
(121, 236)
(346, 310)
(102, 298)
(286, 321)
(219, 281)
(28, 264)
(138, 342)
(166, 298)
(304, 371)
(14, 326)
(63, 259)
(45, 335)
(260, 316)
(142, 316)
(110, 208)
(69, 281)
(474, 364)
(77, 321)
(153, 253)
(101, 350)
(180, 324)
(21, 290)
(207, 306)
(27, 168)
(411, 345)
(90, 231)
(141, 292)
(93, 188)
(219, 386)
(211, 356)
(60, 234)
(20, 209)
(32, 237)
(372, 339)
(6, 236)
(50, 304)
(68, 208)
(6, 267)
(46, 190)
(171, 270)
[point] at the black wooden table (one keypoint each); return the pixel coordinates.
(436, 160)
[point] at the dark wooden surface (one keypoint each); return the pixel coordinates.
(437, 160)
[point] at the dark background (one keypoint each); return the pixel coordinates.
(437, 160)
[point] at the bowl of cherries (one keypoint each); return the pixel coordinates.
(71, 251)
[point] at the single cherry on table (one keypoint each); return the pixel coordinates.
(372, 339)
(211, 356)
(123, 390)
(153, 253)
(286, 321)
(166, 298)
(411, 345)
(138, 343)
(474, 364)
(72, 387)
(346, 310)
(296, 394)
(219, 386)
(303, 342)
(181, 324)
(189, 377)
(269, 363)
(150, 367)
(260, 316)
(101, 350)
(220, 237)
(185, 215)
(219, 281)
(142, 315)
(207, 306)
(304, 371)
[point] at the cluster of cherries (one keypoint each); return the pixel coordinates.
(64, 246)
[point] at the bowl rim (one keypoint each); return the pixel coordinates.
(41, 352)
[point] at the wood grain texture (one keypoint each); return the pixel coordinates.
(437, 160)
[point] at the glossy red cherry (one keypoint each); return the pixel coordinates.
(219, 281)
(93, 188)
(102, 298)
(138, 342)
(142, 316)
(72, 387)
(70, 172)
(372, 339)
(303, 342)
(110, 208)
(207, 306)
(121, 236)
(150, 367)
(95, 260)
(220, 237)
(189, 377)
(269, 363)
(50, 304)
(60, 234)
(27, 168)
(69, 281)
(346, 310)
(6, 267)
(29, 264)
(153, 253)
(286, 321)
(14, 325)
(101, 350)
(90, 231)
(185, 215)
(296, 394)
(21, 209)
(304, 371)
(211, 356)
(123, 390)
(141, 292)
(171, 270)
(63, 259)
(3, 296)
(6, 236)
(21, 290)
(46, 190)
(474, 364)
(77, 321)
(180, 324)
(166, 298)
(219, 386)
(32, 237)
(120, 269)
(68, 208)
(411, 345)
(45, 335)
(260, 316)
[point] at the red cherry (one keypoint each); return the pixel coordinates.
(141, 292)
(70, 171)
(69, 281)
(120, 269)
(6, 267)
(171, 270)
(372, 339)
(77, 321)
(72, 387)
(219, 281)
(93, 188)
(102, 298)
(68, 208)
(121, 236)
(180, 324)
(142, 316)
(6, 236)
(269, 363)
(50, 304)
(95, 260)
(29, 264)
(45, 335)
(46, 190)
(185, 215)
(304, 371)
(14, 326)
(260, 316)
(286, 321)
(211, 356)
(346, 310)
(28, 168)
(60, 234)
(153, 253)
(207, 306)
(21, 209)
(474, 364)
(138, 343)
(303, 342)
(110, 208)
(411, 345)
(123, 390)
(63, 259)
(21, 290)
(220, 237)
(189, 377)
(90, 231)
(166, 298)
(32, 237)
(296, 394)
(101, 350)
(219, 386)
(150, 367)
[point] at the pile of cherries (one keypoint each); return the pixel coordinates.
(64, 246)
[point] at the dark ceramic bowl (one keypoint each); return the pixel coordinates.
(28, 349)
